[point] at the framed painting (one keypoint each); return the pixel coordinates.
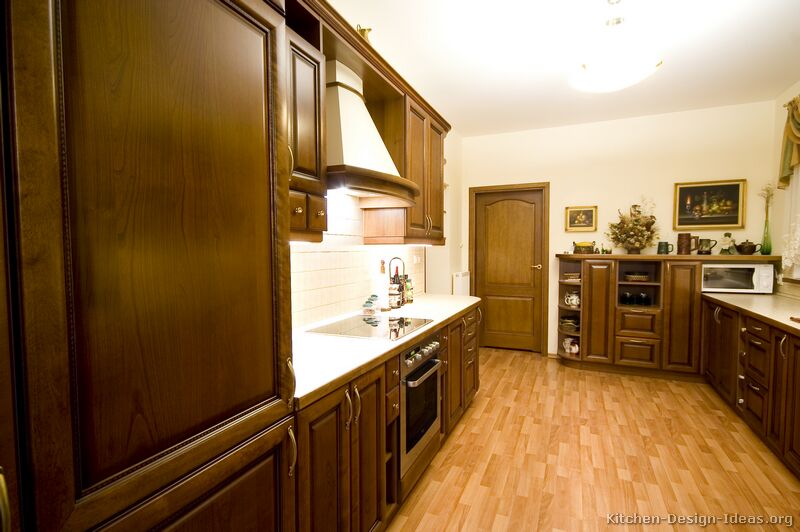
(577, 219)
(709, 205)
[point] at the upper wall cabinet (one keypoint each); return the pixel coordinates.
(306, 100)
(422, 223)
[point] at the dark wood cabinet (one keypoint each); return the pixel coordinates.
(341, 469)
(720, 349)
(470, 384)
(455, 373)
(778, 387)
(682, 316)
(791, 449)
(599, 301)
(149, 176)
(306, 136)
(422, 223)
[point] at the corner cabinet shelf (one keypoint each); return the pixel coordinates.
(637, 312)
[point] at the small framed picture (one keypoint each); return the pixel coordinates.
(578, 219)
(711, 205)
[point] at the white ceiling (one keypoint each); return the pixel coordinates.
(502, 65)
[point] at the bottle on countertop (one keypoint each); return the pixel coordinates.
(409, 290)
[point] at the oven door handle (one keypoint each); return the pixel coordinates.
(426, 376)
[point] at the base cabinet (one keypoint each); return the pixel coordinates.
(341, 469)
(791, 448)
(461, 378)
(720, 349)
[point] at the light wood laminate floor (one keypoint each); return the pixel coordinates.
(545, 447)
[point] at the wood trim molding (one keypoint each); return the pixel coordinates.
(545, 188)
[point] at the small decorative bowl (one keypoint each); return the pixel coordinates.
(572, 276)
(637, 277)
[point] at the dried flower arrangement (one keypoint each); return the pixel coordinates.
(634, 231)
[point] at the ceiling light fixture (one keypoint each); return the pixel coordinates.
(618, 55)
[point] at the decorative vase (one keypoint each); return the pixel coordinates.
(634, 251)
(766, 240)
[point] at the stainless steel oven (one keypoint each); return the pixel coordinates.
(420, 414)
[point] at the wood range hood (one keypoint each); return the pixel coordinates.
(358, 160)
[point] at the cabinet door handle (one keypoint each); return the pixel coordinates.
(349, 409)
(294, 380)
(5, 506)
(396, 372)
(293, 441)
(396, 407)
(480, 315)
(298, 210)
(470, 362)
(780, 347)
(444, 337)
(291, 161)
(464, 323)
(716, 314)
(754, 388)
(358, 404)
(740, 401)
(320, 214)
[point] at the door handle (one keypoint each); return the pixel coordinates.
(293, 441)
(294, 380)
(5, 506)
(349, 409)
(536, 266)
(358, 404)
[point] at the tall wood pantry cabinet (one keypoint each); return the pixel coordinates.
(149, 203)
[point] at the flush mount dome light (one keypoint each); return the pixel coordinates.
(612, 74)
(617, 54)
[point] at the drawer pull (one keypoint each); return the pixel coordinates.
(396, 372)
(740, 401)
(636, 341)
(636, 311)
(755, 328)
(754, 388)
(741, 377)
(470, 362)
(298, 210)
(755, 342)
(320, 213)
(396, 407)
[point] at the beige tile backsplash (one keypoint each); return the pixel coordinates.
(337, 275)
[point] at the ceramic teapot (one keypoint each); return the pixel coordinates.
(747, 248)
(572, 299)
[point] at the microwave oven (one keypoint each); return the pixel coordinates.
(738, 278)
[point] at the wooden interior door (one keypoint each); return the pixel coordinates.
(149, 250)
(510, 266)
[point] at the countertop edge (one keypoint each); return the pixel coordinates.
(718, 299)
(341, 380)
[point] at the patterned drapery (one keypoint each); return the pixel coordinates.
(790, 150)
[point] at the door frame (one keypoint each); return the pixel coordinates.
(545, 188)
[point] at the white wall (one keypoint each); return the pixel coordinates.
(447, 259)
(613, 164)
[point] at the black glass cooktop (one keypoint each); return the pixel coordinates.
(372, 327)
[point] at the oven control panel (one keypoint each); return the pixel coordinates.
(422, 352)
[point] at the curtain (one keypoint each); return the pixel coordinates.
(791, 244)
(790, 151)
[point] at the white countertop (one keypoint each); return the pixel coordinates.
(777, 308)
(322, 359)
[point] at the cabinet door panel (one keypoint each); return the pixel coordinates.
(416, 171)
(368, 484)
(778, 396)
(454, 375)
(728, 353)
(791, 449)
(470, 372)
(323, 465)
(162, 215)
(682, 307)
(755, 406)
(306, 101)
(637, 352)
(435, 181)
(598, 311)
(641, 323)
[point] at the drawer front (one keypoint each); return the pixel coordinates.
(758, 328)
(758, 359)
(392, 373)
(470, 350)
(297, 210)
(755, 405)
(470, 333)
(471, 318)
(317, 213)
(639, 323)
(392, 404)
(637, 352)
